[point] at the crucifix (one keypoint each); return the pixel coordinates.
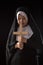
(20, 32)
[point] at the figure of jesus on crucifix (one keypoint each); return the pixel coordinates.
(20, 40)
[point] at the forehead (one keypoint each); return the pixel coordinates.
(20, 15)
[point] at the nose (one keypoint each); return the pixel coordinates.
(21, 20)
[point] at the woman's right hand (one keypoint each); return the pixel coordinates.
(19, 45)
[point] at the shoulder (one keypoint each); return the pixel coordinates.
(30, 29)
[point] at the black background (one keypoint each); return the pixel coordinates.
(7, 12)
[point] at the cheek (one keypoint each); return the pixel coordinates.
(18, 21)
(25, 22)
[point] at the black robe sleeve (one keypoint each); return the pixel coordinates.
(34, 42)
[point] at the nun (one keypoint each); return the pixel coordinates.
(24, 53)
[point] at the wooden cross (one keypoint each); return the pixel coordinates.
(20, 32)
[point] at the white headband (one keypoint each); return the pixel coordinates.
(23, 14)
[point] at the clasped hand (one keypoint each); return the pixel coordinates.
(20, 43)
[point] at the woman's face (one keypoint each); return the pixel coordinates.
(22, 20)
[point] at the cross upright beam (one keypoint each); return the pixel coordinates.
(20, 33)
